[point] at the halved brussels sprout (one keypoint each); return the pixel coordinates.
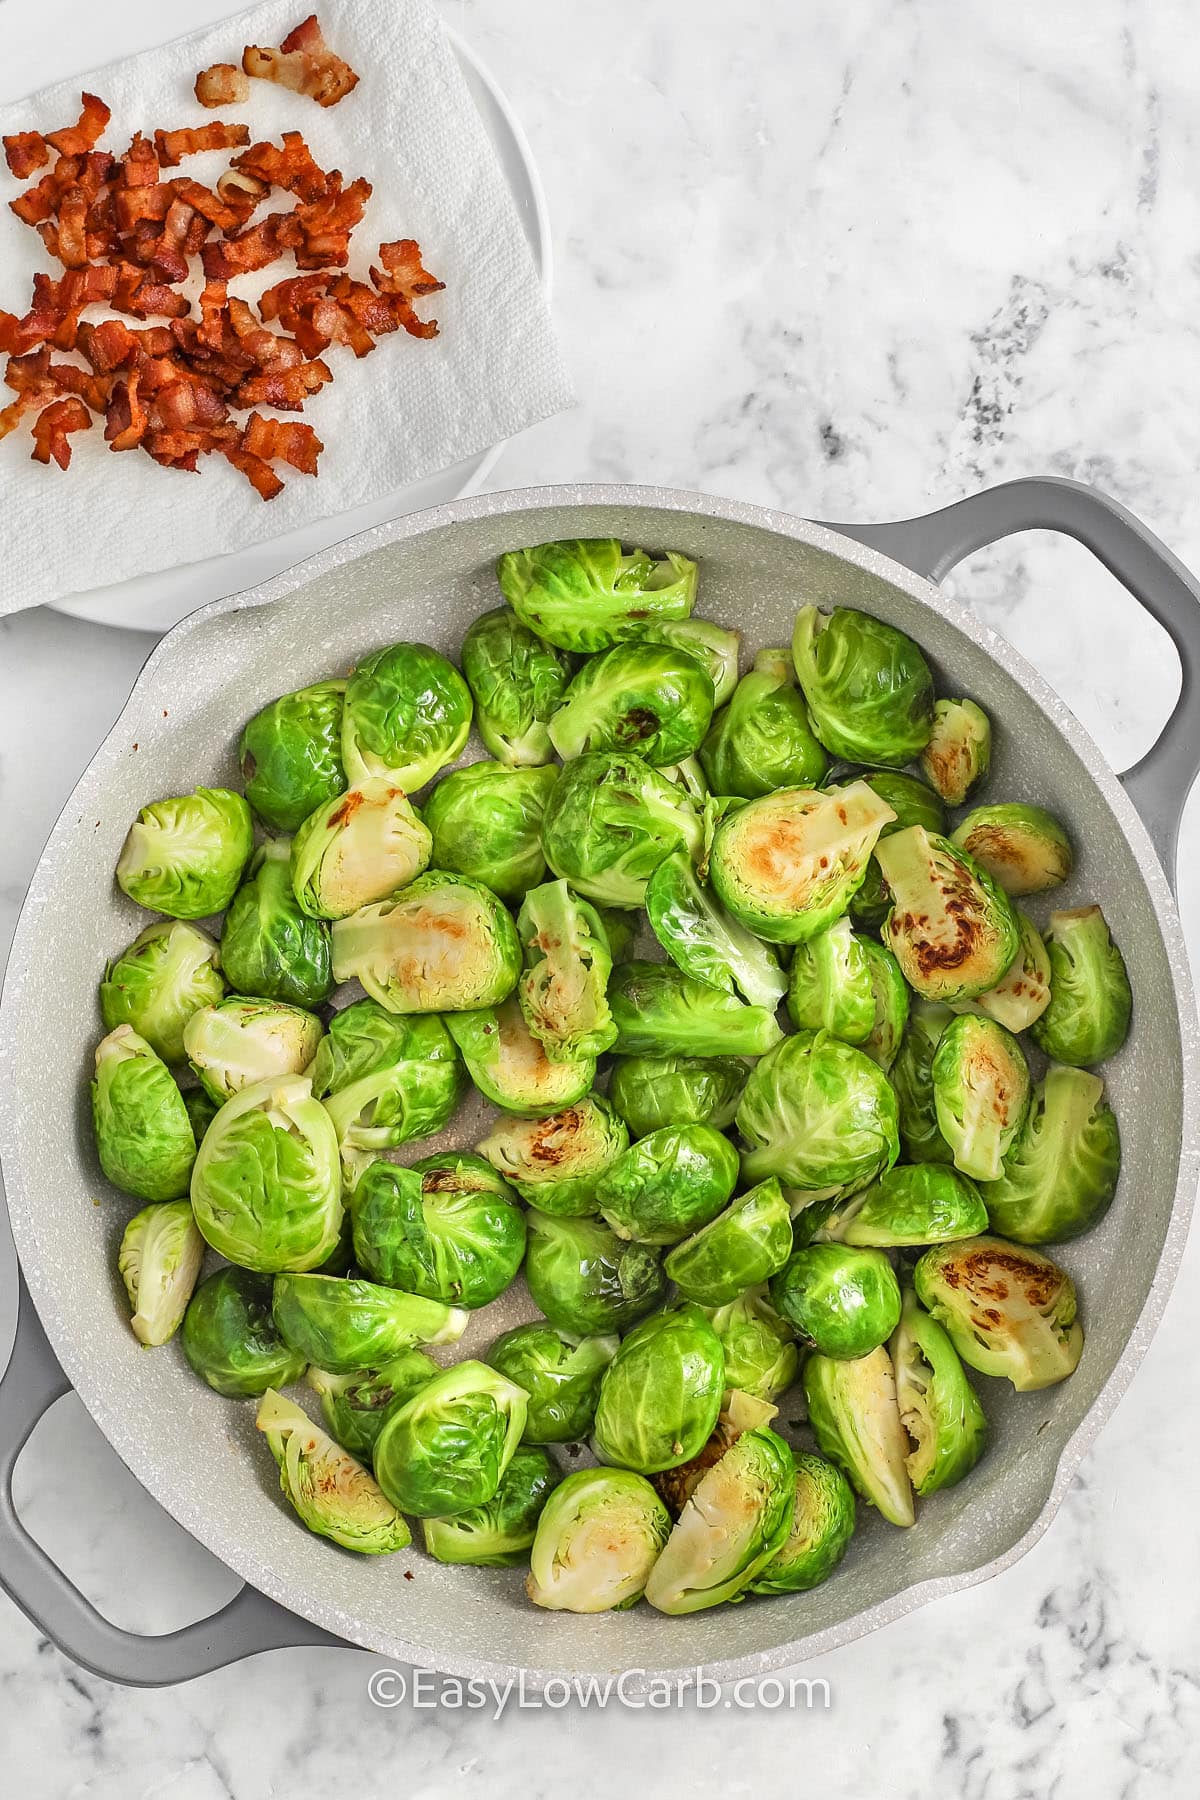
(939, 1408)
(202, 1109)
(868, 687)
(564, 990)
(562, 1378)
(1022, 847)
(667, 1185)
(143, 1134)
(912, 1082)
(445, 944)
(650, 1091)
(159, 1262)
(486, 822)
(510, 1067)
(361, 846)
(761, 1358)
(704, 941)
(661, 1393)
(789, 864)
(649, 698)
(355, 1405)
(407, 713)
(660, 1011)
(586, 1280)
(499, 1533)
(385, 1079)
(229, 1336)
(914, 1203)
(517, 681)
(168, 973)
(715, 647)
(843, 1302)
(951, 928)
(269, 948)
(185, 856)
(610, 820)
(461, 1172)
(446, 1449)
(817, 1113)
(330, 1491)
(829, 984)
(1060, 1173)
(291, 754)
(238, 1042)
(890, 1001)
(1009, 1310)
(855, 1416)
(737, 1518)
(913, 804)
(764, 739)
(959, 752)
(556, 1163)
(738, 1249)
(597, 1540)
(1087, 1019)
(343, 1324)
(1022, 997)
(267, 1185)
(822, 1526)
(981, 1093)
(459, 1246)
(587, 593)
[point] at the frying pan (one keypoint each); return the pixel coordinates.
(425, 577)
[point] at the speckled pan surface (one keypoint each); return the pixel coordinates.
(425, 577)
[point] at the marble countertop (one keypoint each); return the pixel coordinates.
(853, 259)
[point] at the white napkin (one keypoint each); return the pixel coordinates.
(408, 409)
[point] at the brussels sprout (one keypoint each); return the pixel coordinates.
(343, 1324)
(1024, 848)
(159, 1261)
(959, 752)
(407, 713)
(185, 856)
(738, 1249)
(609, 822)
(586, 1280)
(843, 1302)
(822, 1526)
(486, 822)
(669, 1184)
(951, 928)
(355, 1405)
(829, 985)
(890, 999)
(1087, 1019)
(291, 755)
(660, 1011)
(361, 846)
(446, 1449)
(868, 687)
(763, 739)
(980, 1092)
(1060, 1173)
(597, 1540)
(855, 1416)
(661, 1393)
(788, 865)
(143, 1134)
(563, 992)
(266, 1186)
(517, 681)
(168, 973)
(445, 944)
(1009, 1310)
(269, 948)
(648, 698)
(202, 1109)
(939, 1408)
(714, 647)
(461, 1172)
(817, 1113)
(561, 1378)
(650, 1091)
(331, 1493)
(239, 1042)
(229, 1336)
(761, 1358)
(498, 1534)
(385, 1080)
(913, 804)
(1022, 997)
(510, 1067)
(702, 939)
(586, 593)
(556, 1163)
(735, 1521)
(914, 1203)
(912, 1082)
(457, 1246)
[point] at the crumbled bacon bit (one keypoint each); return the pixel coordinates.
(140, 165)
(173, 146)
(284, 389)
(304, 63)
(283, 440)
(25, 151)
(260, 475)
(224, 84)
(291, 166)
(125, 416)
(51, 427)
(325, 224)
(255, 248)
(76, 140)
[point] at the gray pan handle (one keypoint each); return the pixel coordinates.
(248, 1624)
(1160, 783)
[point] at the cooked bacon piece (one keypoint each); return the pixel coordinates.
(291, 166)
(254, 248)
(50, 429)
(304, 63)
(125, 415)
(241, 193)
(185, 403)
(284, 389)
(109, 345)
(173, 146)
(182, 449)
(260, 475)
(37, 203)
(137, 295)
(209, 205)
(84, 287)
(403, 279)
(93, 390)
(325, 224)
(214, 307)
(140, 165)
(76, 140)
(71, 246)
(133, 204)
(224, 84)
(282, 440)
(31, 374)
(25, 151)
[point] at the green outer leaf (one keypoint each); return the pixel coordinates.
(868, 687)
(652, 699)
(345, 1324)
(355, 1405)
(1061, 1171)
(587, 1281)
(817, 1113)
(704, 941)
(650, 1091)
(1087, 1019)
(562, 1378)
(842, 1301)
(669, 1184)
(446, 1450)
(660, 1011)
(229, 1336)
(169, 972)
(610, 820)
(586, 593)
